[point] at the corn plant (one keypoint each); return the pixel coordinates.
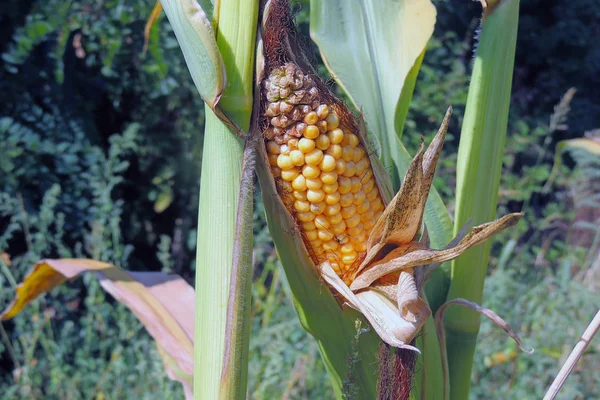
(360, 232)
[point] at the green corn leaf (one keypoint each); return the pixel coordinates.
(478, 176)
(196, 38)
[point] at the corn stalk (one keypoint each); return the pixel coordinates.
(214, 58)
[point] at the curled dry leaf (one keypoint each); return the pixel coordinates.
(163, 303)
(386, 286)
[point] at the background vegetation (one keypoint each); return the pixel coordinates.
(100, 157)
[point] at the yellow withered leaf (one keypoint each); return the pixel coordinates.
(163, 303)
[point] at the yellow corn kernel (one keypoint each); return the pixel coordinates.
(327, 163)
(314, 183)
(366, 176)
(368, 225)
(350, 258)
(305, 216)
(322, 142)
(325, 235)
(321, 222)
(336, 151)
(284, 162)
(330, 188)
(316, 246)
(289, 175)
(311, 235)
(311, 118)
(335, 136)
(368, 186)
(372, 195)
(348, 212)
(322, 125)
(332, 209)
(318, 208)
(306, 145)
(299, 183)
(362, 207)
(312, 158)
(297, 157)
(332, 198)
(346, 199)
(347, 153)
(368, 216)
(329, 178)
(347, 248)
(336, 219)
(311, 132)
(361, 166)
(300, 195)
(376, 205)
(356, 184)
(340, 167)
(301, 206)
(338, 228)
(309, 226)
(332, 121)
(315, 196)
(361, 246)
(350, 169)
(322, 111)
(310, 171)
(359, 197)
(359, 153)
(345, 185)
(332, 245)
(353, 220)
(356, 230)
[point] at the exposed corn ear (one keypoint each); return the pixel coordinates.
(322, 168)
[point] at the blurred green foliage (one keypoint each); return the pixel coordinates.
(100, 157)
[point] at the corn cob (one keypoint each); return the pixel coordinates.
(322, 168)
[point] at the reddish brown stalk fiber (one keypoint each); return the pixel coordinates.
(396, 367)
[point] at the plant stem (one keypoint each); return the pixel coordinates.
(219, 191)
(221, 168)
